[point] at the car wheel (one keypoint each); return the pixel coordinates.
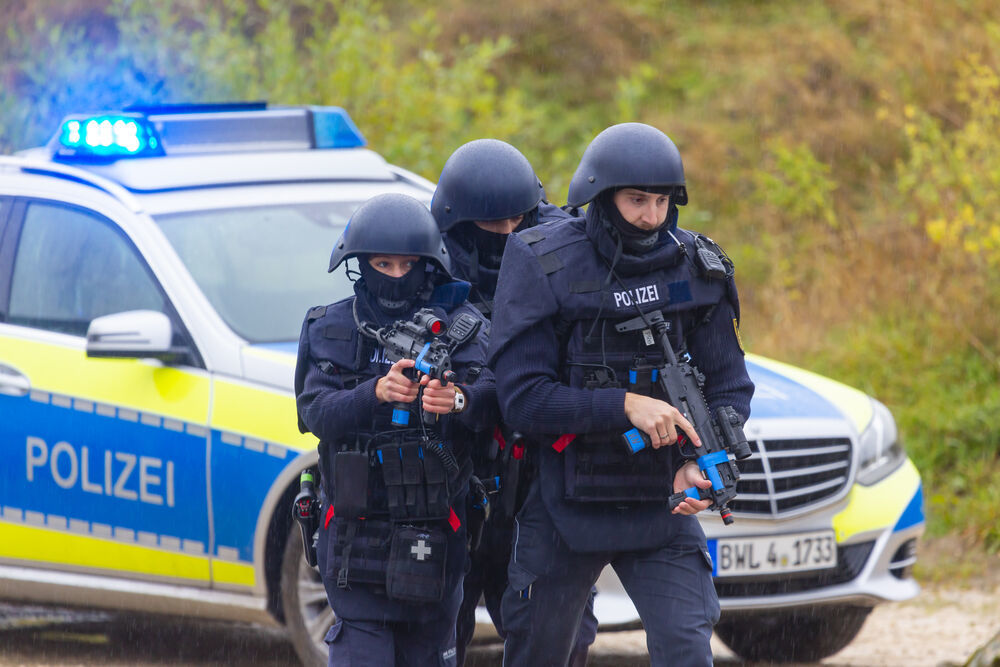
(303, 599)
(799, 635)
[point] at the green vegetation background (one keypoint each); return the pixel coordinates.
(846, 153)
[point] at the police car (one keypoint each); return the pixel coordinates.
(155, 266)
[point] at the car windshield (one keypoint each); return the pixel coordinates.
(262, 267)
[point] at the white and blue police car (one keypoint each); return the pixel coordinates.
(155, 265)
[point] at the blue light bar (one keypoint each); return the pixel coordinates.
(333, 128)
(202, 129)
(106, 137)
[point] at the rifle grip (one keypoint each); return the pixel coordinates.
(691, 492)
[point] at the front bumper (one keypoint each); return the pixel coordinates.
(876, 530)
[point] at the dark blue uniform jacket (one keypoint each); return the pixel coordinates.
(556, 307)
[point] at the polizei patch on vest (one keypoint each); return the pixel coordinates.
(379, 356)
(636, 296)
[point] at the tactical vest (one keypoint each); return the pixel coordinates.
(391, 493)
(601, 496)
(597, 467)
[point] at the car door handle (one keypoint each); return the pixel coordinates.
(13, 382)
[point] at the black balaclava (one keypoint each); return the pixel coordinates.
(394, 295)
(634, 240)
(479, 252)
(490, 245)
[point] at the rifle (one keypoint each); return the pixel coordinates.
(423, 339)
(426, 341)
(721, 434)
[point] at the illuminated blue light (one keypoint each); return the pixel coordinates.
(107, 137)
(73, 131)
(333, 128)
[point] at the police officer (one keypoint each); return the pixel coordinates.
(486, 191)
(393, 452)
(563, 370)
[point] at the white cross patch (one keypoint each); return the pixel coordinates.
(421, 550)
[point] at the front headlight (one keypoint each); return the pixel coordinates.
(880, 451)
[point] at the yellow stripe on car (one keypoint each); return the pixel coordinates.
(41, 545)
(877, 507)
(241, 408)
(238, 574)
(59, 369)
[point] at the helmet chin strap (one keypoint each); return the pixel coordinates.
(634, 240)
(393, 307)
(642, 244)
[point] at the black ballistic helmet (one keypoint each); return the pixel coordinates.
(628, 155)
(391, 224)
(485, 179)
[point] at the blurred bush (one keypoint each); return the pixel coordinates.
(413, 102)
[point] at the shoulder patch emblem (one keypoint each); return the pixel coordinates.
(739, 340)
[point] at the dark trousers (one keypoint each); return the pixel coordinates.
(487, 578)
(671, 588)
(399, 644)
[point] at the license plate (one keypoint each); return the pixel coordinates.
(776, 554)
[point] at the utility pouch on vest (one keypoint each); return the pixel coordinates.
(360, 553)
(414, 498)
(642, 377)
(417, 559)
(436, 487)
(416, 483)
(597, 469)
(350, 484)
(477, 512)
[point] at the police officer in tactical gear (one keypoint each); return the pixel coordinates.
(394, 462)
(486, 191)
(572, 377)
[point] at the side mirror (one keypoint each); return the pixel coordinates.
(134, 334)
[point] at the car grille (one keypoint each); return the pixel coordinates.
(850, 560)
(785, 476)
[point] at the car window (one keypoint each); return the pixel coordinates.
(6, 255)
(262, 267)
(72, 266)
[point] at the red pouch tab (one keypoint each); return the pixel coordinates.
(563, 441)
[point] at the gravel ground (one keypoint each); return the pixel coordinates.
(943, 626)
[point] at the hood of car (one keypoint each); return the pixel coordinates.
(783, 391)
